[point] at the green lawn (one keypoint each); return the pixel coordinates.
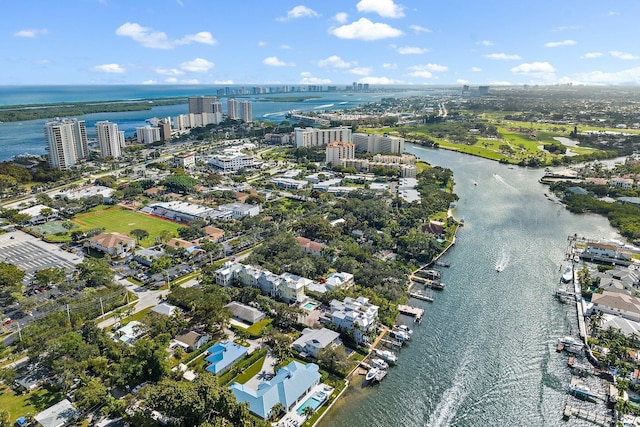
(117, 219)
(29, 403)
(250, 372)
(255, 329)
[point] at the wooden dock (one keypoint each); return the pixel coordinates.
(594, 417)
(411, 311)
(422, 297)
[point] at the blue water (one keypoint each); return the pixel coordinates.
(28, 137)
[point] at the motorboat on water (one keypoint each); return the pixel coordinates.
(400, 335)
(379, 363)
(372, 374)
(567, 274)
(403, 328)
(387, 356)
(582, 391)
(570, 341)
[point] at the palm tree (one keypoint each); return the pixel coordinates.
(276, 410)
(308, 412)
(595, 320)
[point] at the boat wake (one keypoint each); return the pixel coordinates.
(453, 397)
(502, 262)
(502, 181)
(319, 107)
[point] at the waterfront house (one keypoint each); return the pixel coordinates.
(114, 244)
(356, 316)
(223, 355)
(290, 385)
(606, 253)
(618, 304)
(312, 341)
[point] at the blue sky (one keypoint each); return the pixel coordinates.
(319, 42)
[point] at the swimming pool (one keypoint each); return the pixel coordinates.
(313, 402)
(310, 305)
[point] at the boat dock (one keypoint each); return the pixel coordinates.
(594, 417)
(411, 311)
(421, 296)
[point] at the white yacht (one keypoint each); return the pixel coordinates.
(379, 363)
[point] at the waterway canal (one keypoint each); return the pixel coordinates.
(484, 354)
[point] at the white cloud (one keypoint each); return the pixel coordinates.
(408, 50)
(429, 67)
(533, 68)
(299, 12)
(623, 55)
(262, 44)
(390, 66)
(308, 79)
(360, 71)
(560, 43)
(223, 82)
(623, 77)
(419, 29)
(566, 27)
(486, 42)
(341, 17)
(335, 61)
(31, 33)
(109, 68)
(379, 81)
(203, 37)
(476, 69)
(425, 74)
(173, 80)
(499, 83)
(198, 65)
(384, 8)
(612, 13)
(273, 61)
(149, 82)
(285, 46)
(591, 55)
(148, 37)
(363, 29)
(462, 81)
(503, 56)
(169, 71)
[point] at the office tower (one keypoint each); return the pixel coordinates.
(247, 115)
(201, 104)
(110, 139)
(232, 109)
(67, 142)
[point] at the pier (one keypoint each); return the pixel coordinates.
(594, 417)
(411, 311)
(422, 297)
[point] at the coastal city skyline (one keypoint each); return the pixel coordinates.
(367, 41)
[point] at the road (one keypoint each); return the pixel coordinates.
(146, 298)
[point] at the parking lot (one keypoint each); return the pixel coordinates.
(31, 254)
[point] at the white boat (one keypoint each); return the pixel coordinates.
(387, 355)
(400, 335)
(570, 341)
(403, 328)
(372, 374)
(567, 274)
(379, 363)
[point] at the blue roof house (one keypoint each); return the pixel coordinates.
(223, 355)
(290, 385)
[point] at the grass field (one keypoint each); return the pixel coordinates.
(117, 219)
(31, 403)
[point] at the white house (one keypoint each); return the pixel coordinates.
(355, 315)
(238, 210)
(312, 341)
(618, 304)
